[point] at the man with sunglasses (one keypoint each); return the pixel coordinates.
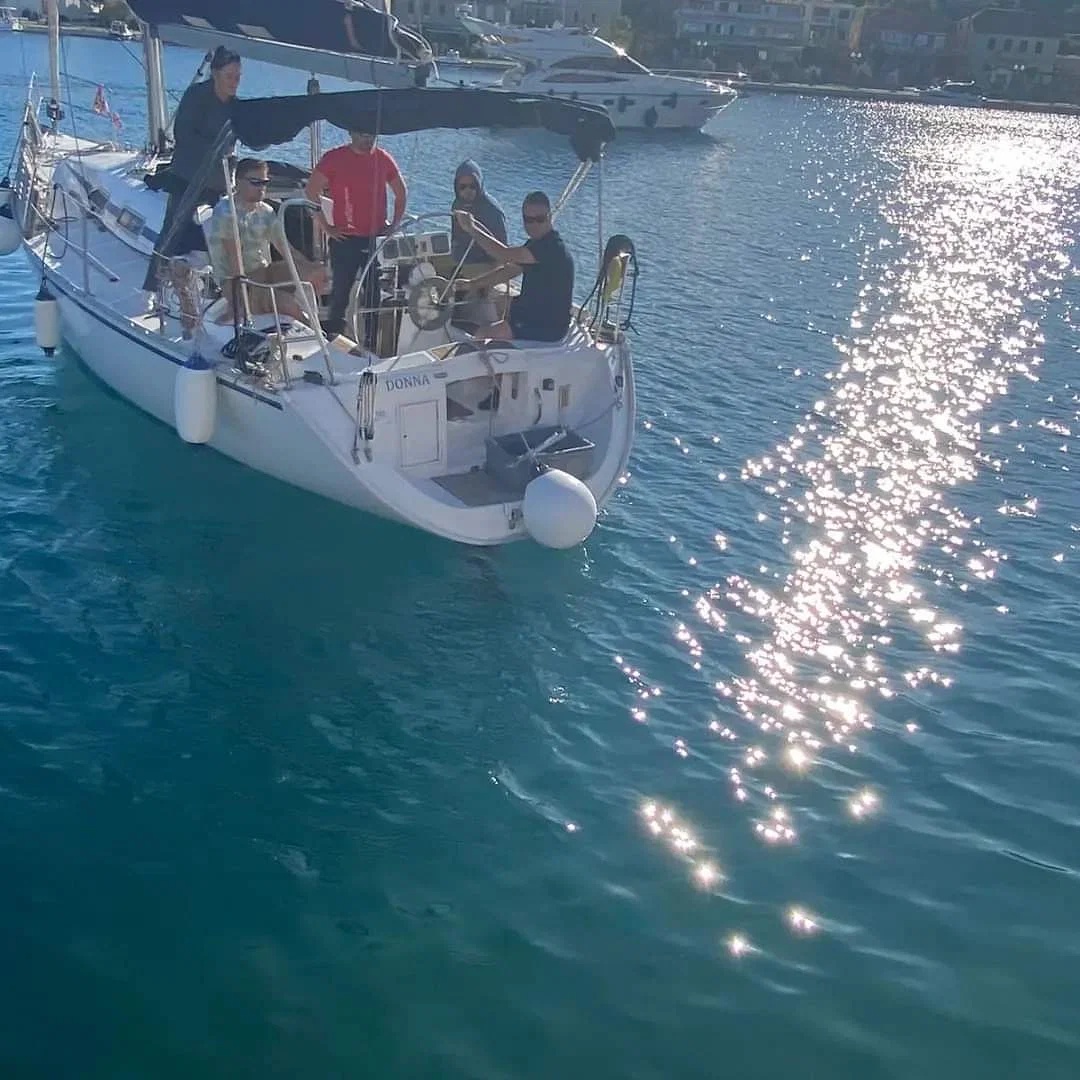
(255, 223)
(469, 194)
(356, 176)
(542, 311)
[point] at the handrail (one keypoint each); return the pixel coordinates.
(310, 304)
(95, 262)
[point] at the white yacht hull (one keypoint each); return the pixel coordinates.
(423, 463)
(252, 427)
(656, 112)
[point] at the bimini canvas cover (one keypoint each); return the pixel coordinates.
(345, 38)
(263, 122)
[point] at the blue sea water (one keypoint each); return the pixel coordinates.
(776, 776)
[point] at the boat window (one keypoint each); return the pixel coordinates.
(98, 199)
(130, 222)
(579, 77)
(621, 65)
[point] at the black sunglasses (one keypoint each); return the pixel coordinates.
(258, 181)
(534, 219)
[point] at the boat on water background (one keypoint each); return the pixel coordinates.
(478, 441)
(579, 65)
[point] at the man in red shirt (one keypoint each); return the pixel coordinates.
(356, 176)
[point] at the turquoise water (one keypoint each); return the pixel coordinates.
(777, 776)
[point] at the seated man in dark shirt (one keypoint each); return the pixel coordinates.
(542, 311)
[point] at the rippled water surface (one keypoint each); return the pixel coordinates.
(778, 776)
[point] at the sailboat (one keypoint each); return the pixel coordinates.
(474, 440)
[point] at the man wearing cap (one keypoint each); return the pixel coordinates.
(200, 117)
(356, 176)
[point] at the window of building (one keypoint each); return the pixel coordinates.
(1007, 47)
(1038, 47)
(1023, 45)
(843, 14)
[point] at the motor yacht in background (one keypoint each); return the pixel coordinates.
(578, 65)
(953, 93)
(9, 19)
(120, 31)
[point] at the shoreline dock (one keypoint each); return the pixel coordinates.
(858, 93)
(75, 30)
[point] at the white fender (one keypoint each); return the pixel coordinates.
(46, 320)
(10, 236)
(195, 397)
(559, 509)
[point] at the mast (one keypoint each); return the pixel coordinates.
(53, 12)
(157, 119)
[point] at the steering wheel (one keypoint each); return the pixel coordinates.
(431, 302)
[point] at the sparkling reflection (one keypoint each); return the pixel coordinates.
(854, 608)
(862, 484)
(738, 945)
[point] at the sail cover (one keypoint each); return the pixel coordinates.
(276, 30)
(263, 122)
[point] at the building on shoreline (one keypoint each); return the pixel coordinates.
(1009, 50)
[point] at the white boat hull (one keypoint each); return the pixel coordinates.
(252, 427)
(656, 113)
(646, 103)
(421, 465)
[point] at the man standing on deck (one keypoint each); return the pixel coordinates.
(356, 176)
(200, 118)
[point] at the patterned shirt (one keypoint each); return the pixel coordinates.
(257, 224)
